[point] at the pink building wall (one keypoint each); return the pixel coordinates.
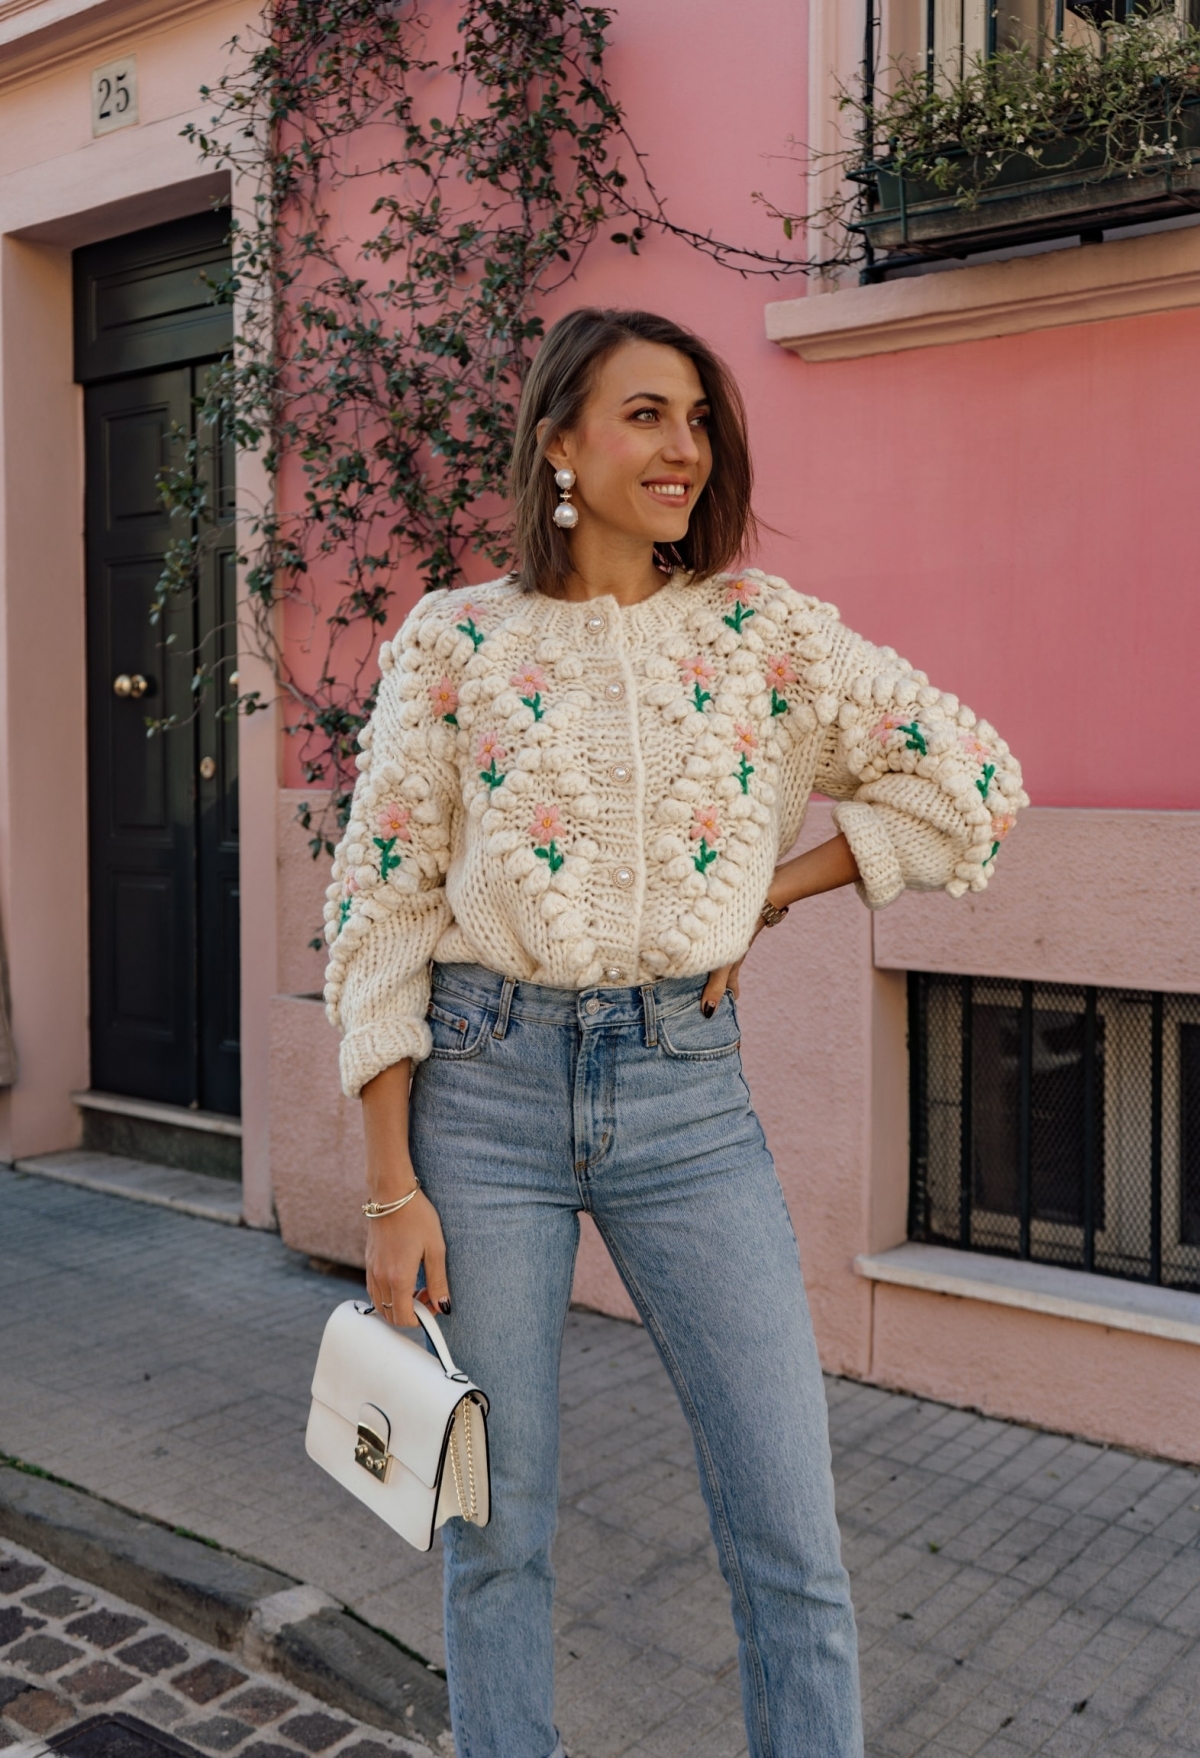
(1013, 514)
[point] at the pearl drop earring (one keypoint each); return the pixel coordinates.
(566, 517)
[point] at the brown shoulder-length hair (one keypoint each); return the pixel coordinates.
(722, 524)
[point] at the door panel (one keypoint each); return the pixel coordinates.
(142, 810)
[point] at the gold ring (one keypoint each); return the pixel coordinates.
(385, 1303)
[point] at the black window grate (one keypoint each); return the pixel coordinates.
(1057, 1124)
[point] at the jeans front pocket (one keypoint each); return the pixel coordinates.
(687, 1035)
(459, 1028)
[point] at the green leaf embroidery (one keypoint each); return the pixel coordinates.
(700, 697)
(534, 702)
(344, 912)
(450, 719)
(551, 855)
(491, 775)
(916, 738)
(704, 858)
(744, 772)
(388, 859)
(741, 614)
(468, 628)
(985, 780)
(778, 703)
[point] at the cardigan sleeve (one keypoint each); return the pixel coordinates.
(386, 907)
(926, 792)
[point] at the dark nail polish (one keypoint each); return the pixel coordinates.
(708, 1008)
(443, 1306)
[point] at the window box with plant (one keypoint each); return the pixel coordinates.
(1033, 138)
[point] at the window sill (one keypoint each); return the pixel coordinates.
(1132, 277)
(1070, 1294)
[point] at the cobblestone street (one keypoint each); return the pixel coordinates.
(1017, 1592)
(70, 1652)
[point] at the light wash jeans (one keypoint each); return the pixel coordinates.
(629, 1104)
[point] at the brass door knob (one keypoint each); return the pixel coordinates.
(208, 768)
(135, 686)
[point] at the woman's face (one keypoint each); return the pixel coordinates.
(640, 452)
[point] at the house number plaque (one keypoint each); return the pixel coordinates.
(114, 95)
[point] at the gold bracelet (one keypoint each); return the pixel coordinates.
(771, 913)
(376, 1211)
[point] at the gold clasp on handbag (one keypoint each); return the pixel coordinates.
(370, 1451)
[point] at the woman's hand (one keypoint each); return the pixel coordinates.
(823, 868)
(397, 1245)
(726, 978)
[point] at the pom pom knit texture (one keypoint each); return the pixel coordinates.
(580, 794)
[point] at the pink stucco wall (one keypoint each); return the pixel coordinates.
(1011, 514)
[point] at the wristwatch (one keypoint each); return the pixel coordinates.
(772, 915)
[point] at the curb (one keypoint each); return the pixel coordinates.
(270, 1620)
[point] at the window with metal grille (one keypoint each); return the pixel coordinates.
(947, 34)
(1057, 1124)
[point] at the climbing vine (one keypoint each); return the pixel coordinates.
(417, 187)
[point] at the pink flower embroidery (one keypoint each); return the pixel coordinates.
(745, 740)
(974, 747)
(706, 830)
(1002, 823)
(488, 749)
(742, 591)
(444, 697)
(529, 680)
(546, 825)
(780, 671)
(705, 824)
(885, 728)
(697, 670)
(393, 821)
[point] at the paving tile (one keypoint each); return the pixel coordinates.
(259, 1704)
(209, 1680)
(316, 1733)
(43, 1654)
(101, 1682)
(58, 1602)
(221, 1733)
(104, 1629)
(40, 1711)
(153, 1654)
(14, 1622)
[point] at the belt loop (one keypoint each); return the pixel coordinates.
(506, 995)
(650, 1015)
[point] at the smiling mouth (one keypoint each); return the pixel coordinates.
(673, 494)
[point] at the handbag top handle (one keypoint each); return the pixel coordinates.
(434, 1332)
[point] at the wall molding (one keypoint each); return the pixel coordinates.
(1092, 283)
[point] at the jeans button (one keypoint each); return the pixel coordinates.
(592, 1006)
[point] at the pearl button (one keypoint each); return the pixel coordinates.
(592, 1006)
(620, 772)
(615, 691)
(624, 875)
(614, 973)
(594, 623)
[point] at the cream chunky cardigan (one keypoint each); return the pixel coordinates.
(585, 794)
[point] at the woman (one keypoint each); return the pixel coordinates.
(575, 789)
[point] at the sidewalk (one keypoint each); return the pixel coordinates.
(1017, 1592)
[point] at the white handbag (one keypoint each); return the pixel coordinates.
(387, 1415)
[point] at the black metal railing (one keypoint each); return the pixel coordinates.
(1057, 1124)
